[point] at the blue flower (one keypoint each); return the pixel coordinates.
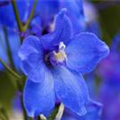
(43, 22)
(53, 65)
(94, 110)
(51, 7)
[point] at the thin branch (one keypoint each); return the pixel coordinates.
(30, 17)
(17, 15)
(10, 70)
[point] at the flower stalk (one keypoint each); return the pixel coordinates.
(30, 17)
(10, 70)
(19, 23)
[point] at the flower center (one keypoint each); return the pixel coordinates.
(60, 56)
(56, 57)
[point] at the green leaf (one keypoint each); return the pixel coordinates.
(3, 114)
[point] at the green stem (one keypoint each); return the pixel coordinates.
(19, 23)
(8, 48)
(29, 118)
(23, 108)
(30, 17)
(17, 15)
(3, 114)
(10, 70)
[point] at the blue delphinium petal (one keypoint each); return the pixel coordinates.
(62, 32)
(36, 26)
(85, 51)
(75, 13)
(49, 8)
(115, 43)
(94, 27)
(31, 55)
(34, 67)
(39, 98)
(5, 13)
(30, 45)
(94, 110)
(69, 91)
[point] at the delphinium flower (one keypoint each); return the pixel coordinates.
(109, 72)
(54, 64)
(94, 110)
(82, 13)
(51, 7)
(43, 23)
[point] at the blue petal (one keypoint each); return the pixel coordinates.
(94, 110)
(75, 13)
(94, 27)
(49, 8)
(75, 7)
(34, 68)
(70, 91)
(62, 32)
(85, 51)
(30, 45)
(5, 13)
(36, 26)
(115, 43)
(31, 55)
(39, 98)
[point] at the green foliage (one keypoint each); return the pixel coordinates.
(7, 90)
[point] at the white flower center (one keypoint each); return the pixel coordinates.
(60, 56)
